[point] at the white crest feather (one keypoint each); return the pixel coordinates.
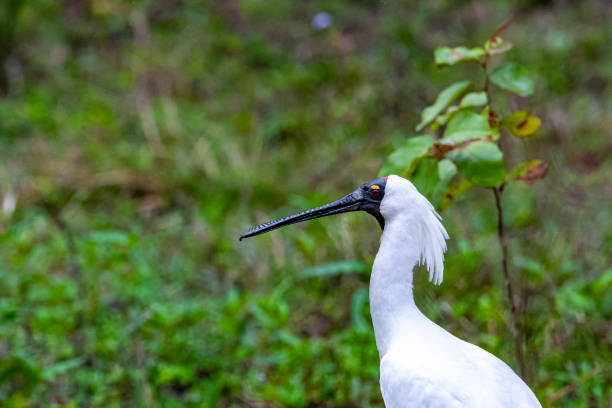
(433, 244)
(403, 201)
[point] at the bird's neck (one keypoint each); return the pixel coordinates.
(391, 300)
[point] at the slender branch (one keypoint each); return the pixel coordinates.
(484, 64)
(516, 327)
(502, 27)
(571, 387)
(497, 192)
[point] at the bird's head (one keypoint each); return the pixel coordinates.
(368, 197)
(388, 199)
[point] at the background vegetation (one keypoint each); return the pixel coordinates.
(140, 138)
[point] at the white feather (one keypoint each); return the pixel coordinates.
(423, 365)
(402, 199)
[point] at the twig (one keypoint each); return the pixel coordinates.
(502, 27)
(516, 328)
(497, 192)
(560, 393)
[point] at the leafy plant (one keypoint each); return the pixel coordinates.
(139, 138)
(462, 148)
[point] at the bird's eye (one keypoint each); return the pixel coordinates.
(375, 190)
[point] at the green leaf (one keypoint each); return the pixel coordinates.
(442, 119)
(359, 300)
(450, 56)
(521, 124)
(571, 301)
(425, 178)
(49, 373)
(473, 99)
(495, 46)
(109, 237)
(442, 101)
(403, 160)
(334, 269)
(513, 77)
(467, 125)
(480, 162)
(534, 269)
(173, 373)
(20, 367)
(432, 178)
(604, 282)
(446, 170)
(453, 191)
(470, 100)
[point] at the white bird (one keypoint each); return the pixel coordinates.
(421, 364)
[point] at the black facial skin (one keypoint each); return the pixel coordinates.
(365, 198)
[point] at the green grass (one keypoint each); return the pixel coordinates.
(140, 139)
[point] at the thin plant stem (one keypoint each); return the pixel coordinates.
(501, 236)
(503, 26)
(516, 327)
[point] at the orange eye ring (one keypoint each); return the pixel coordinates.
(375, 190)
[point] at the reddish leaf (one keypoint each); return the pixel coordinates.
(492, 118)
(441, 148)
(468, 142)
(531, 171)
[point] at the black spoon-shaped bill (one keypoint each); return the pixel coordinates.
(366, 198)
(351, 202)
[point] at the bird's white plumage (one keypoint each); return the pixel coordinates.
(423, 365)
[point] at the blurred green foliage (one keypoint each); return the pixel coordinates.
(139, 139)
